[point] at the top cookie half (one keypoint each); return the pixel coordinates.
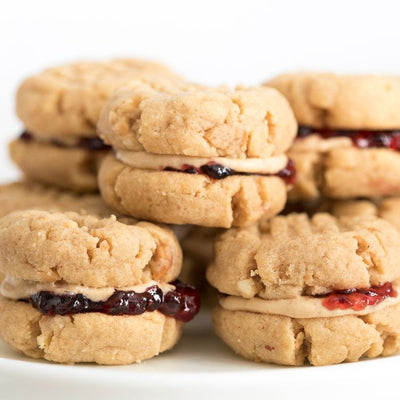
(198, 122)
(326, 100)
(66, 100)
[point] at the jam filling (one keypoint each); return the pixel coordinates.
(363, 139)
(218, 171)
(183, 303)
(358, 299)
(88, 143)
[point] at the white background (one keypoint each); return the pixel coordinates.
(209, 41)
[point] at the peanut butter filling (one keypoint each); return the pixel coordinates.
(18, 289)
(300, 307)
(144, 160)
(320, 144)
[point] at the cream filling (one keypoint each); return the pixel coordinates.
(144, 160)
(301, 307)
(319, 144)
(17, 289)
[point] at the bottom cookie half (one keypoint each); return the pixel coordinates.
(180, 198)
(317, 341)
(90, 337)
(344, 173)
(66, 168)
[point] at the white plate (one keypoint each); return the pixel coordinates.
(199, 367)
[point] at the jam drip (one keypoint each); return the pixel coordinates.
(363, 139)
(358, 299)
(218, 171)
(88, 143)
(183, 303)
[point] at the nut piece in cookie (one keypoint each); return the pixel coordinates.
(348, 140)
(83, 289)
(321, 290)
(203, 156)
(60, 108)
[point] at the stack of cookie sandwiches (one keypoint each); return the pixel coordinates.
(322, 289)
(80, 285)
(210, 157)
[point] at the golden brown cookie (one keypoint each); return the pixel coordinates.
(295, 282)
(327, 100)
(60, 108)
(25, 195)
(317, 341)
(388, 209)
(198, 121)
(191, 155)
(349, 134)
(345, 172)
(83, 289)
(65, 101)
(86, 250)
(94, 337)
(66, 168)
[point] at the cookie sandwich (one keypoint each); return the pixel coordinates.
(84, 289)
(348, 140)
(296, 290)
(60, 107)
(206, 156)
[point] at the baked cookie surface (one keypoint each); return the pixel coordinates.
(387, 209)
(316, 341)
(95, 337)
(66, 100)
(344, 171)
(293, 255)
(327, 100)
(86, 250)
(349, 134)
(65, 168)
(24, 195)
(200, 122)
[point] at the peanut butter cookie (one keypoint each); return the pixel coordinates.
(322, 290)
(83, 289)
(211, 157)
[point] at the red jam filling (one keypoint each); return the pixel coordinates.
(183, 303)
(358, 299)
(363, 139)
(218, 171)
(88, 143)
